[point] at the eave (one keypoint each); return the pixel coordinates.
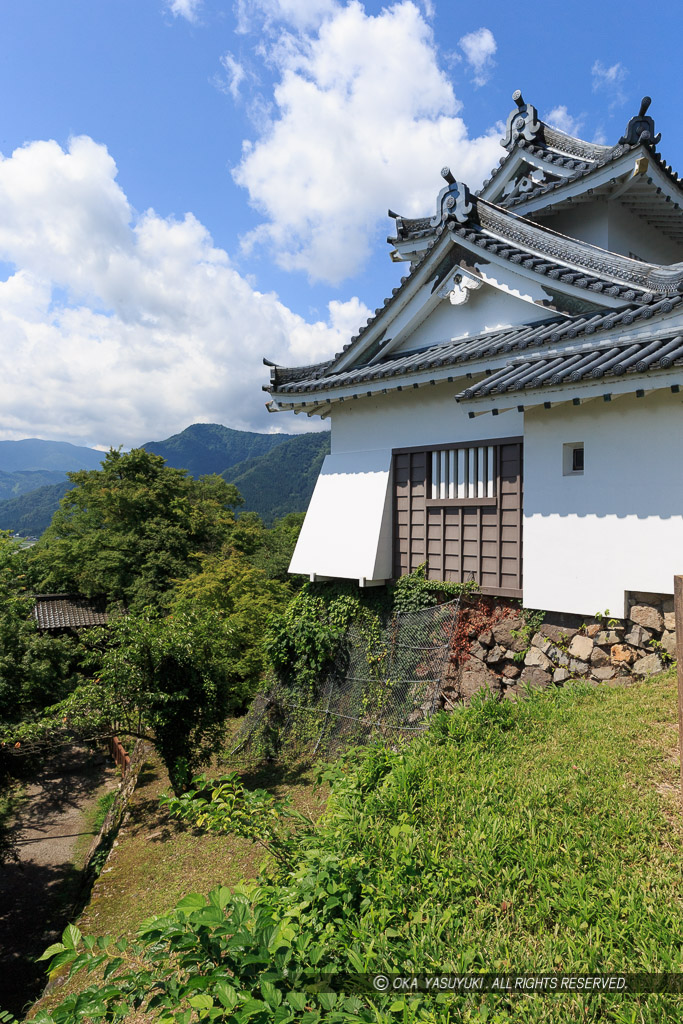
(472, 358)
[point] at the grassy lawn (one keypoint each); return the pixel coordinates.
(535, 837)
(156, 860)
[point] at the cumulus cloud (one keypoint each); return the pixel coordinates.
(121, 328)
(479, 48)
(188, 9)
(363, 118)
(560, 118)
(610, 80)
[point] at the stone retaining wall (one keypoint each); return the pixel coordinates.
(502, 650)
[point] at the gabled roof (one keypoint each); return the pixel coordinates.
(291, 387)
(556, 162)
(478, 231)
(473, 241)
(69, 611)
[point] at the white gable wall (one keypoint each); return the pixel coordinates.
(618, 527)
(487, 309)
(587, 221)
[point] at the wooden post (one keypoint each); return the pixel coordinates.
(678, 599)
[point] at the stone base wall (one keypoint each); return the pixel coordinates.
(497, 648)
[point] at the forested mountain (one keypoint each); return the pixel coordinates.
(14, 484)
(32, 454)
(275, 473)
(211, 448)
(283, 480)
(30, 514)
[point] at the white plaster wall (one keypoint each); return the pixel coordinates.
(486, 309)
(428, 415)
(588, 539)
(628, 233)
(587, 221)
(613, 227)
(347, 531)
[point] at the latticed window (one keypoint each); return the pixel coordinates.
(459, 509)
(460, 473)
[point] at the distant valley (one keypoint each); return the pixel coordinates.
(275, 473)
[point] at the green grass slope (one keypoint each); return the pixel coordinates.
(211, 448)
(283, 480)
(541, 836)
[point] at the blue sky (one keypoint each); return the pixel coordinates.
(196, 184)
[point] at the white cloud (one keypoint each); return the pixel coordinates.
(119, 328)
(560, 118)
(184, 8)
(236, 75)
(364, 119)
(301, 15)
(479, 48)
(610, 80)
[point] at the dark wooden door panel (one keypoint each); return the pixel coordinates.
(441, 521)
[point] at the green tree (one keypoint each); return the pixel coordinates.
(131, 528)
(227, 585)
(173, 680)
(35, 670)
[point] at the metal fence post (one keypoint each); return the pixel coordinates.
(678, 604)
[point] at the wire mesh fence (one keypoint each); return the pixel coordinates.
(379, 686)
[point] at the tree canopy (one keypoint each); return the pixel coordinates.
(130, 529)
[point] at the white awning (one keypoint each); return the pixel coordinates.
(347, 531)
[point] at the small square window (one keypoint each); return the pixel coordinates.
(572, 458)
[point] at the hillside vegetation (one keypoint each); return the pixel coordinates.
(14, 484)
(273, 485)
(212, 448)
(33, 453)
(538, 836)
(30, 514)
(281, 481)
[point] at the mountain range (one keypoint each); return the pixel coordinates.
(275, 473)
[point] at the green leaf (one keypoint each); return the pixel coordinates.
(201, 1002)
(193, 901)
(220, 897)
(56, 947)
(71, 936)
(227, 994)
(271, 995)
(297, 1000)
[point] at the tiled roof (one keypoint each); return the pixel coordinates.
(563, 368)
(457, 352)
(69, 611)
(544, 251)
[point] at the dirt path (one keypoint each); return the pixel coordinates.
(38, 892)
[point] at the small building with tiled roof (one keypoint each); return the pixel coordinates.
(61, 613)
(512, 412)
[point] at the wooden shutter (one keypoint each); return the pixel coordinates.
(459, 508)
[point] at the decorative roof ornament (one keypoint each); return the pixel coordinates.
(453, 201)
(640, 128)
(522, 123)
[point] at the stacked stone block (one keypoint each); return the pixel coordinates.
(505, 658)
